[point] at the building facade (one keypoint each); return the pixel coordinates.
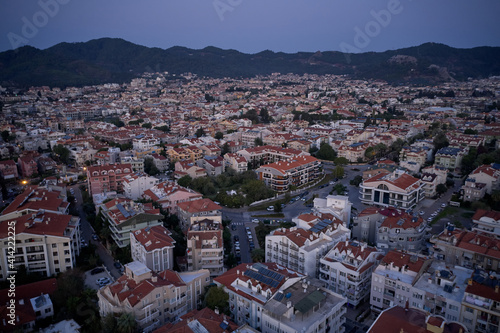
(153, 247)
(205, 248)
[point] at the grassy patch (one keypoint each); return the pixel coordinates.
(263, 206)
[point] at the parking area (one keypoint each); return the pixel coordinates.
(91, 279)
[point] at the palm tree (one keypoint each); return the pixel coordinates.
(126, 323)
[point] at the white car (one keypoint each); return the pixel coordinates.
(443, 205)
(270, 209)
(255, 221)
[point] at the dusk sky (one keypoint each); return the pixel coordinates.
(252, 26)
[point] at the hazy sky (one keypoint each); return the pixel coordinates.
(253, 25)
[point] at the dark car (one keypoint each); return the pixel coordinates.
(117, 265)
(233, 227)
(236, 238)
(97, 270)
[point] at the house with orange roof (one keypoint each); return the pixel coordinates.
(347, 270)
(395, 188)
(205, 248)
(270, 297)
(488, 174)
(32, 303)
(205, 319)
(47, 243)
(125, 216)
(169, 194)
(107, 178)
(487, 222)
(154, 299)
(197, 210)
(400, 230)
(393, 279)
(296, 171)
(188, 168)
(466, 248)
(154, 247)
(336, 205)
(399, 319)
(8, 169)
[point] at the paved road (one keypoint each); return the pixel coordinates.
(87, 232)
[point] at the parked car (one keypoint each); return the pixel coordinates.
(270, 209)
(443, 205)
(236, 238)
(104, 282)
(233, 227)
(255, 220)
(117, 265)
(101, 280)
(96, 270)
(94, 237)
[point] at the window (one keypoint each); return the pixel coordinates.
(54, 246)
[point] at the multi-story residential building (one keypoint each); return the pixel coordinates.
(465, 248)
(347, 270)
(300, 249)
(473, 190)
(280, 139)
(134, 185)
(32, 303)
(47, 243)
(430, 183)
(125, 216)
(205, 320)
(8, 170)
(160, 162)
(392, 189)
(153, 298)
(28, 166)
(213, 165)
(394, 277)
(235, 162)
(205, 247)
(178, 154)
(145, 143)
(197, 210)
(480, 310)
(266, 296)
(296, 171)
(268, 154)
(354, 152)
(488, 175)
(487, 222)
(449, 157)
(336, 205)
(51, 199)
(399, 319)
(419, 155)
(106, 178)
(188, 168)
(440, 290)
(402, 231)
(137, 163)
(169, 194)
(46, 165)
(153, 247)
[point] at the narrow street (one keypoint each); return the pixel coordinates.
(87, 232)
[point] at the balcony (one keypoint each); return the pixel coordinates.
(34, 249)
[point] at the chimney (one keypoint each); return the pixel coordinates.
(216, 310)
(288, 304)
(238, 272)
(497, 287)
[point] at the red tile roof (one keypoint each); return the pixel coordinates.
(153, 238)
(43, 224)
(200, 205)
(400, 259)
(206, 317)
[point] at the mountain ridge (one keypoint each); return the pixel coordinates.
(108, 60)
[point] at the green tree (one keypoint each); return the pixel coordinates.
(326, 152)
(277, 207)
(440, 141)
(5, 135)
(216, 297)
(341, 161)
(356, 180)
(62, 153)
(219, 135)
(258, 142)
(200, 132)
(441, 189)
(225, 149)
(109, 323)
(258, 255)
(147, 125)
(126, 323)
(338, 172)
(163, 128)
(150, 167)
(264, 115)
(185, 181)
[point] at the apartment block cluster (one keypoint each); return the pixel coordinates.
(115, 134)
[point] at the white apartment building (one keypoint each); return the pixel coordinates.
(272, 298)
(145, 143)
(337, 205)
(205, 247)
(397, 189)
(347, 270)
(46, 243)
(393, 279)
(153, 299)
(301, 249)
(487, 221)
(153, 247)
(134, 185)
